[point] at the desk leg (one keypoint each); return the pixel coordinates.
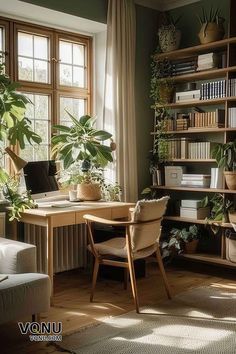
(50, 253)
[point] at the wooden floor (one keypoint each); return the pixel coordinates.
(71, 305)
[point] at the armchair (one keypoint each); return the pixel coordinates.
(24, 292)
(142, 240)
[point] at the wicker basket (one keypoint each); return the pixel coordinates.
(90, 191)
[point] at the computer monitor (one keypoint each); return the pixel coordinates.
(40, 178)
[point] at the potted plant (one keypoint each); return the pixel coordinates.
(82, 144)
(14, 129)
(183, 240)
(225, 155)
(212, 28)
(168, 34)
(162, 84)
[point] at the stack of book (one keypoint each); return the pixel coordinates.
(232, 117)
(182, 122)
(196, 180)
(207, 61)
(232, 87)
(180, 67)
(214, 89)
(192, 209)
(186, 96)
(156, 177)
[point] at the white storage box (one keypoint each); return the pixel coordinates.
(194, 213)
(173, 175)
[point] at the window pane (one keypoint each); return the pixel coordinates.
(25, 67)
(39, 115)
(66, 75)
(33, 58)
(78, 77)
(65, 52)
(40, 71)
(25, 44)
(40, 47)
(75, 106)
(78, 54)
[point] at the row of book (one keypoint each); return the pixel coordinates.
(196, 180)
(232, 117)
(184, 148)
(232, 87)
(213, 89)
(181, 67)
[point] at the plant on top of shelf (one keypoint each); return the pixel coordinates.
(82, 144)
(212, 28)
(14, 129)
(225, 155)
(162, 84)
(168, 34)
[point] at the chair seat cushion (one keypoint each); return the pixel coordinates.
(24, 294)
(117, 247)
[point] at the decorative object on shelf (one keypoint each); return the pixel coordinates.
(81, 145)
(162, 84)
(183, 240)
(220, 208)
(225, 155)
(14, 129)
(212, 28)
(168, 34)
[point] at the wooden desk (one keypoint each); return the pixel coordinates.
(51, 217)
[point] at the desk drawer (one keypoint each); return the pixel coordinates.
(63, 219)
(102, 213)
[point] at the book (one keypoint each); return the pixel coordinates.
(195, 213)
(191, 203)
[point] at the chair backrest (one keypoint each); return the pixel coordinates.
(145, 235)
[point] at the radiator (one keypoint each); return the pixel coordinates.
(69, 246)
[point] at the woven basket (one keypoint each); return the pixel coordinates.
(90, 191)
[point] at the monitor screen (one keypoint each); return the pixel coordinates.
(40, 177)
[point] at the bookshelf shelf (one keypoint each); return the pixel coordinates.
(192, 160)
(193, 189)
(194, 221)
(200, 130)
(208, 258)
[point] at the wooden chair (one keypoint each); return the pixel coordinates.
(141, 240)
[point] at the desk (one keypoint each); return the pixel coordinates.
(51, 217)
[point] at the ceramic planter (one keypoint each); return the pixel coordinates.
(230, 179)
(169, 38)
(211, 32)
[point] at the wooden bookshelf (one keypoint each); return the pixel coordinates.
(208, 258)
(194, 221)
(194, 103)
(192, 160)
(198, 130)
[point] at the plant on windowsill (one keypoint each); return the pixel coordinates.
(82, 144)
(225, 155)
(14, 129)
(212, 28)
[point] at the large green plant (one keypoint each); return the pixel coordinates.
(82, 142)
(15, 128)
(225, 155)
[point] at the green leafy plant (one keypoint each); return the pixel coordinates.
(213, 15)
(178, 237)
(15, 128)
(81, 142)
(220, 207)
(225, 155)
(162, 84)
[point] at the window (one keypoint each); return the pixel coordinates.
(54, 71)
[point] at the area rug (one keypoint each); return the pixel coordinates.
(199, 321)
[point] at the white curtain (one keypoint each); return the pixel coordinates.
(119, 100)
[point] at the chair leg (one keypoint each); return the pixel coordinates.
(95, 275)
(126, 278)
(36, 317)
(163, 273)
(133, 281)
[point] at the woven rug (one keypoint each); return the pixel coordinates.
(199, 321)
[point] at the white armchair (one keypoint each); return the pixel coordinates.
(24, 292)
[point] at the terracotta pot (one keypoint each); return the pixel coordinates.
(191, 247)
(86, 191)
(169, 38)
(211, 32)
(230, 179)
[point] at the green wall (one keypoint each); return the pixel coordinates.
(146, 42)
(189, 23)
(95, 10)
